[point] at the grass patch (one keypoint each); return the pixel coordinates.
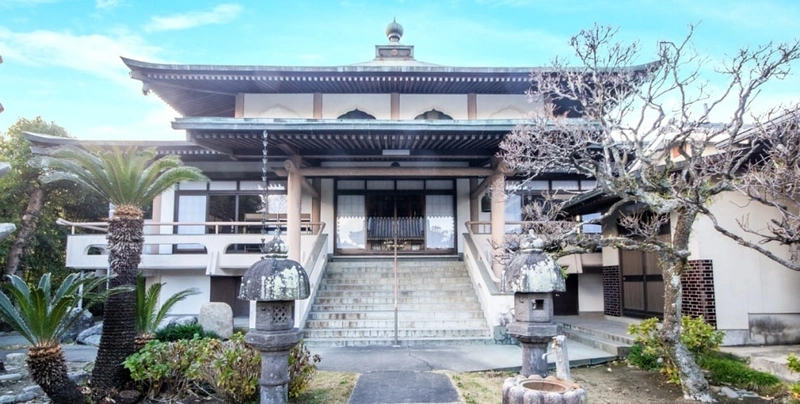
(728, 369)
(328, 388)
(480, 387)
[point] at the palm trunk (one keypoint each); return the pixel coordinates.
(693, 382)
(49, 370)
(36, 197)
(125, 239)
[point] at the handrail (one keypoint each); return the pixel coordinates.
(485, 227)
(316, 227)
(488, 277)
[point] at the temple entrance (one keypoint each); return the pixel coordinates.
(395, 221)
(413, 217)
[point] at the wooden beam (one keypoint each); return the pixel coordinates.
(215, 147)
(476, 193)
(291, 167)
(391, 172)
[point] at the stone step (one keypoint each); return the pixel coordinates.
(388, 332)
(328, 342)
(411, 281)
(389, 286)
(322, 294)
(389, 299)
(403, 322)
(402, 315)
(369, 274)
(425, 307)
(615, 333)
(612, 347)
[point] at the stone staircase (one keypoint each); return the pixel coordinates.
(606, 335)
(354, 305)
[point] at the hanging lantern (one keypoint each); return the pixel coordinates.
(486, 203)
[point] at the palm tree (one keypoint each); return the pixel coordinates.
(42, 316)
(129, 179)
(147, 317)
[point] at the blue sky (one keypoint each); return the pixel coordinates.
(61, 57)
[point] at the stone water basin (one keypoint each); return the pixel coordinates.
(538, 390)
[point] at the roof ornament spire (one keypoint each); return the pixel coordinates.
(394, 31)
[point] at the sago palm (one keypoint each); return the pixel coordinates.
(148, 314)
(42, 315)
(129, 179)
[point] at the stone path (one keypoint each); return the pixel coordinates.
(403, 387)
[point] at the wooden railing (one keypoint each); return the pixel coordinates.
(151, 227)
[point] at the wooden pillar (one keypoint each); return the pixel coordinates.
(497, 189)
(294, 197)
(474, 201)
(472, 106)
(394, 106)
(316, 204)
(317, 105)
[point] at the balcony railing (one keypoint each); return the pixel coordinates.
(226, 245)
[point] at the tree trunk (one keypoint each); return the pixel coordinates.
(30, 218)
(125, 239)
(693, 382)
(49, 370)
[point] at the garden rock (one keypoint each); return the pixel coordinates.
(83, 322)
(10, 377)
(15, 360)
(177, 320)
(8, 399)
(217, 317)
(728, 392)
(91, 335)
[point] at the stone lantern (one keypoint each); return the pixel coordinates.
(533, 276)
(274, 282)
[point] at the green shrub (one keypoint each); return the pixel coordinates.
(164, 368)
(227, 370)
(302, 366)
(231, 368)
(793, 363)
(726, 369)
(699, 337)
(642, 360)
(176, 332)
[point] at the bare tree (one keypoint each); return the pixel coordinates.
(644, 134)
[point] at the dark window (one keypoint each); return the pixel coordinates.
(434, 115)
(356, 114)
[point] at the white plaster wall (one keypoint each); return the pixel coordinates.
(610, 254)
(512, 106)
(412, 105)
(462, 211)
(590, 292)
(166, 214)
(745, 281)
(377, 105)
(278, 105)
(175, 281)
(326, 210)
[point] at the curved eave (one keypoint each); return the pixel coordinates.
(319, 140)
(187, 150)
(210, 90)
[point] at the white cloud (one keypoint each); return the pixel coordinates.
(220, 14)
(106, 4)
(94, 54)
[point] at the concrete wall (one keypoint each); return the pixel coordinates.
(176, 281)
(494, 106)
(488, 106)
(756, 298)
(590, 292)
(278, 105)
(412, 105)
(335, 105)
